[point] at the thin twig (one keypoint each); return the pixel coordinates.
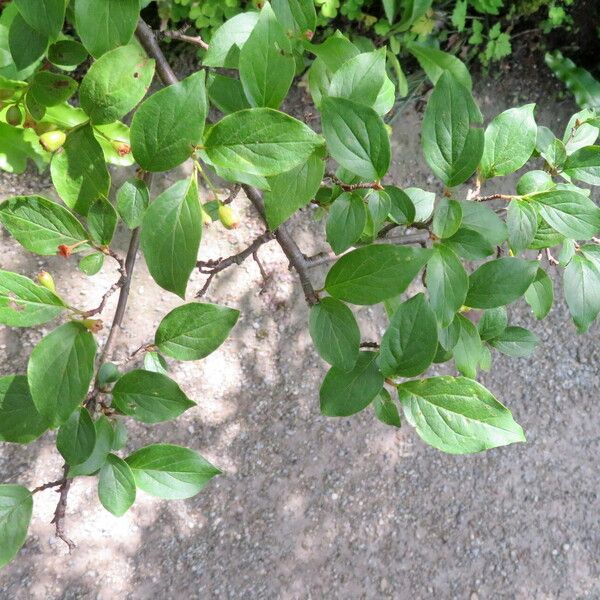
(265, 276)
(47, 486)
(493, 197)
(194, 40)
(61, 509)
(369, 345)
(349, 187)
(111, 290)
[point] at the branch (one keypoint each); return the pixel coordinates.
(148, 41)
(61, 509)
(47, 486)
(494, 197)
(190, 39)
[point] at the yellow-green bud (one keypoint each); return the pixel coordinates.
(51, 141)
(228, 216)
(206, 218)
(46, 280)
(14, 115)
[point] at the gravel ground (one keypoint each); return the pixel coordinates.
(312, 507)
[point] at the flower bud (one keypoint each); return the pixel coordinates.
(46, 280)
(228, 216)
(51, 141)
(14, 115)
(206, 218)
(121, 147)
(93, 325)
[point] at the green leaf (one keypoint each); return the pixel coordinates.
(499, 282)
(171, 232)
(49, 89)
(149, 397)
(483, 220)
(116, 486)
(492, 323)
(227, 94)
(581, 285)
(334, 331)
(390, 8)
(76, 437)
(20, 421)
(457, 415)
(374, 273)
(105, 25)
(91, 264)
(60, 370)
(346, 221)
(402, 210)
(545, 237)
(517, 342)
(385, 409)
(467, 350)
(133, 199)
(170, 472)
(447, 218)
(584, 165)
(522, 223)
(534, 181)
(120, 435)
(423, 202)
(435, 63)
(17, 147)
(169, 124)
(154, 362)
(452, 140)
(334, 51)
(79, 172)
(540, 294)
(412, 11)
(26, 44)
(360, 78)
(296, 16)
(509, 141)
(24, 303)
(40, 225)
(292, 190)
(45, 16)
(193, 331)
(226, 41)
(447, 283)
(356, 137)
(344, 393)
(16, 506)
(410, 342)
(572, 214)
(104, 441)
(67, 54)
(267, 66)
(115, 84)
(469, 244)
(102, 221)
(378, 209)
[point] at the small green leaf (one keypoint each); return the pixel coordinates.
(226, 41)
(169, 124)
(385, 409)
(435, 63)
(107, 373)
(91, 264)
(374, 273)
(149, 397)
(154, 362)
(499, 282)
(410, 342)
(534, 181)
(356, 137)
(102, 221)
(133, 199)
(193, 331)
(171, 232)
(50, 89)
(457, 415)
(60, 370)
(492, 323)
(115, 84)
(116, 486)
(467, 350)
(104, 441)
(76, 437)
(67, 54)
(227, 94)
(296, 16)
(522, 223)
(517, 342)
(403, 211)
(540, 294)
(344, 393)
(483, 220)
(447, 218)
(170, 472)
(346, 221)
(16, 506)
(581, 285)
(584, 165)
(334, 331)
(469, 244)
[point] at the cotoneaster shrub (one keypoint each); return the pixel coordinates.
(468, 253)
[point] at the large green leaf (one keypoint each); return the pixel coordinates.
(447, 283)
(169, 471)
(226, 41)
(374, 273)
(572, 214)
(356, 137)
(105, 25)
(334, 331)
(499, 282)
(171, 232)
(517, 342)
(24, 303)
(76, 437)
(344, 393)
(193, 331)
(149, 397)
(40, 225)
(20, 421)
(457, 415)
(104, 442)
(60, 370)
(509, 141)
(435, 63)
(296, 16)
(266, 65)
(79, 172)
(447, 218)
(451, 136)
(581, 284)
(16, 505)
(260, 141)
(410, 342)
(116, 486)
(346, 220)
(584, 165)
(27, 46)
(45, 16)
(169, 124)
(115, 83)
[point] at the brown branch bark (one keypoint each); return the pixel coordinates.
(61, 510)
